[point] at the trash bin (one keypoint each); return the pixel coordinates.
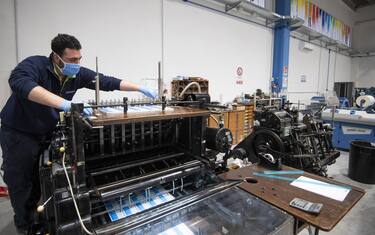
(362, 162)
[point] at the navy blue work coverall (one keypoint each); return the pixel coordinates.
(26, 124)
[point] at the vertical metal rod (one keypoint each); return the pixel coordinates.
(173, 132)
(164, 103)
(173, 187)
(121, 203)
(113, 143)
(143, 135)
(97, 98)
(182, 184)
(160, 132)
(160, 81)
(328, 69)
(149, 193)
(101, 137)
(133, 136)
(177, 132)
(152, 133)
(190, 144)
(123, 138)
(125, 103)
(203, 145)
(130, 199)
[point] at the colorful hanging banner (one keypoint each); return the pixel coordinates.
(320, 21)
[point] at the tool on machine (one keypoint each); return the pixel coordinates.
(40, 208)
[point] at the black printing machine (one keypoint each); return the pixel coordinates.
(148, 169)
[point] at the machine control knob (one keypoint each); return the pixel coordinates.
(62, 149)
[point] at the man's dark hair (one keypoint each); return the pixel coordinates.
(62, 41)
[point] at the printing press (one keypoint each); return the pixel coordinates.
(281, 138)
(147, 168)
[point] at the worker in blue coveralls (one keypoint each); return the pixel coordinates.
(41, 88)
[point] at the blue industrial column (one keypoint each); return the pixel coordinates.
(281, 49)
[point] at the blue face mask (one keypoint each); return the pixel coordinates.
(69, 69)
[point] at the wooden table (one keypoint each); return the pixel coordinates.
(279, 193)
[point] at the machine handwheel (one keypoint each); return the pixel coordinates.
(266, 138)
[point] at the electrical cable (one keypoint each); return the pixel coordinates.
(188, 86)
(215, 119)
(74, 201)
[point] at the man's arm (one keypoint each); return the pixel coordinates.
(128, 86)
(24, 82)
(42, 96)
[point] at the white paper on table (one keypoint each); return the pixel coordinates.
(335, 192)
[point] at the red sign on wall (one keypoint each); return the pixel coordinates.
(239, 71)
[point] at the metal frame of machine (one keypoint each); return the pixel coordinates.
(110, 158)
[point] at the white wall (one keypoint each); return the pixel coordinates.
(364, 29)
(364, 68)
(365, 36)
(8, 52)
(313, 65)
(125, 35)
(303, 64)
(364, 71)
(7, 47)
(343, 70)
(130, 37)
(203, 43)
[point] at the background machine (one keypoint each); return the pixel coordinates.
(352, 124)
(280, 138)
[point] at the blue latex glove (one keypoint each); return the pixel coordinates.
(65, 105)
(148, 92)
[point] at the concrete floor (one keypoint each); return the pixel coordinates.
(360, 220)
